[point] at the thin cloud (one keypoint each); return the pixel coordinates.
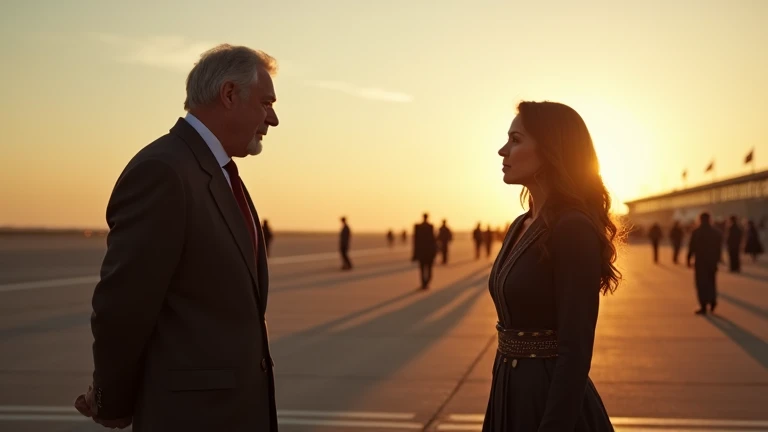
(165, 52)
(371, 93)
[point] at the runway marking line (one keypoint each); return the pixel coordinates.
(405, 421)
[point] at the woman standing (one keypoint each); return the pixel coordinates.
(546, 282)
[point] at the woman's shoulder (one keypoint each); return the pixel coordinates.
(574, 224)
(572, 218)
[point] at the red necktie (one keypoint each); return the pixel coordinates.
(237, 190)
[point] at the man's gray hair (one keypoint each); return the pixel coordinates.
(223, 63)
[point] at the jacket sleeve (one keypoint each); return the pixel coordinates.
(146, 218)
(576, 255)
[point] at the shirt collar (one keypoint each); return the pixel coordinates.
(210, 139)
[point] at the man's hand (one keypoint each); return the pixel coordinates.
(86, 405)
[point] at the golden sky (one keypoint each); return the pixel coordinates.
(387, 108)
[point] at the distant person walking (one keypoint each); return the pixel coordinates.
(390, 238)
(268, 236)
(733, 242)
(344, 239)
(655, 236)
(705, 247)
(444, 237)
(488, 239)
(477, 236)
(424, 249)
(676, 236)
(754, 246)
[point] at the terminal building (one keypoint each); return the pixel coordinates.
(745, 197)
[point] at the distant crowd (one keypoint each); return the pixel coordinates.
(705, 251)
(739, 237)
(427, 243)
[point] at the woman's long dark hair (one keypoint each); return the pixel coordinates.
(571, 173)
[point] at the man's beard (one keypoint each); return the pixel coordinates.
(254, 146)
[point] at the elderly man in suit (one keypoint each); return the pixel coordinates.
(180, 336)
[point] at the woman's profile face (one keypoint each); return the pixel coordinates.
(520, 160)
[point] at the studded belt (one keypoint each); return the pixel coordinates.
(527, 344)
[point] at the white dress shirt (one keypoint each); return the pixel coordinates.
(218, 152)
(213, 143)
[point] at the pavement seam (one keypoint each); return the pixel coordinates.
(459, 384)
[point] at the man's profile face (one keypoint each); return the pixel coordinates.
(256, 114)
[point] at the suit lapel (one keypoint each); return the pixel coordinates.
(225, 200)
(221, 192)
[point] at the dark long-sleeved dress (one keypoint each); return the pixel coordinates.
(559, 295)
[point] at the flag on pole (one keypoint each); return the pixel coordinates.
(749, 157)
(710, 167)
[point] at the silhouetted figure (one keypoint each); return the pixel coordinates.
(477, 236)
(344, 240)
(444, 237)
(404, 236)
(424, 249)
(182, 300)
(754, 246)
(488, 238)
(676, 236)
(733, 243)
(706, 247)
(655, 235)
(390, 238)
(547, 279)
(267, 235)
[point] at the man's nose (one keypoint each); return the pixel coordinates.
(272, 119)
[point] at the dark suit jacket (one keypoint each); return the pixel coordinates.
(424, 242)
(676, 235)
(655, 233)
(735, 233)
(344, 238)
(445, 235)
(180, 338)
(706, 247)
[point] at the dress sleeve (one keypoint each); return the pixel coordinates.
(576, 255)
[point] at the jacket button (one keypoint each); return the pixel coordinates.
(264, 364)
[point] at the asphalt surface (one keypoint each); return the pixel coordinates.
(367, 351)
